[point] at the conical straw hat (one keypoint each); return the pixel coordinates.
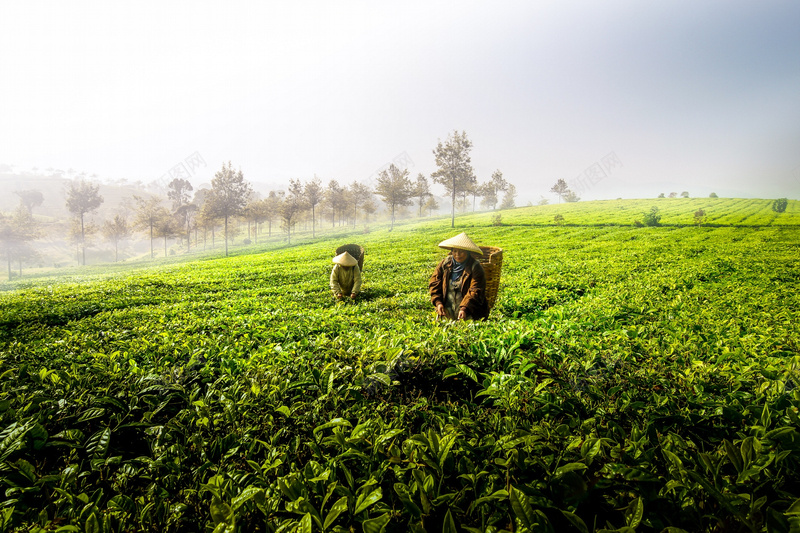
(462, 242)
(345, 259)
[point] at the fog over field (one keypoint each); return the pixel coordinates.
(683, 96)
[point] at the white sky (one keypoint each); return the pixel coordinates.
(697, 96)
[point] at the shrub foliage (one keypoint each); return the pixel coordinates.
(641, 379)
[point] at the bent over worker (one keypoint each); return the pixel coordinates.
(345, 276)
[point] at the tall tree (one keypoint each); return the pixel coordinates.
(455, 167)
(15, 232)
(293, 204)
(488, 196)
(30, 198)
(368, 207)
(196, 212)
(179, 192)
(335, 198)
(508, 197)
(273, 204)
(186, 215)
(475, 190)
(431, 204)
(254, 212)
(167, 226)
(359, 194)
(82, 198)
(228, 196)
(421, 190)
(116, 230)
(207, 220)
(148, 213)
(313, 195)
(394, 188)
(560, 188)
(492, 189)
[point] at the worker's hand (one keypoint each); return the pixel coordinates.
(338, 295)
(440, 309)
(353, 296)
(462, 314)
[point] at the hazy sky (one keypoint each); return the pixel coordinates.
(641, 97)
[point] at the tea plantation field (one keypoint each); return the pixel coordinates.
(628, 379)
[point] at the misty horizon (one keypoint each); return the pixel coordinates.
(697, 97)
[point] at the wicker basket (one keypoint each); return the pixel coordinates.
(491, 261)
(355, 250)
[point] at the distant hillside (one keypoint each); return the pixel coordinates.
(673, 211)
(53, 187)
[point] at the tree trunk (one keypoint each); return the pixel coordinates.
(83, 241)
(152, 253)
(226, 236)
(453, 208)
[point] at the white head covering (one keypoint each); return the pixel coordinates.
(345, 259)
(462, 242)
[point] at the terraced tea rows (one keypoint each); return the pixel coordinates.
(640, 378)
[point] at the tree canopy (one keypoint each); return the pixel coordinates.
(83, 197)
(228, 195)
(394, 188)
(454, 171)
(560, 188)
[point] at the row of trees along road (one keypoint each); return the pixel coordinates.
(185, 212)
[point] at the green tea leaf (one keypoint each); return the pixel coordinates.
(449, 525)
(336, 509)
(336, 422)
(377, 524)
(407, 500)
(569, 467)
(305, 524)
(576, 521)
(221, 512)
(634, 514)
(246, 495)
(734, 455)
(364, 502)
(522, 509)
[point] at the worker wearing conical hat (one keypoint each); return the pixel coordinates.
(345, 276)
(458, 285)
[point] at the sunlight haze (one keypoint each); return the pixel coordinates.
(702, 97)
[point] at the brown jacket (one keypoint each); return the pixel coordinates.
(473, 281)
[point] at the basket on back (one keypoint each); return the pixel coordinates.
(491, 261)
(355, 250)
